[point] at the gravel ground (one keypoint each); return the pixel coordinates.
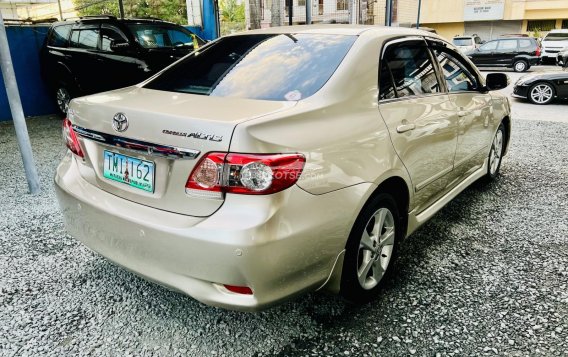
(487, 276)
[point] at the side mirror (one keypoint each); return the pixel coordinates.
(120, 46)
(496, 81)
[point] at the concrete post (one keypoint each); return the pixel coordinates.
(17, 111)
(308, 12)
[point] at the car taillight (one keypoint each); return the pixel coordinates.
(71, 138)
(249, 174)
(537, 51)
(244, 290)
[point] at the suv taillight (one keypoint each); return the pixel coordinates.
(249, 174)
(71, 138)
(537, 51)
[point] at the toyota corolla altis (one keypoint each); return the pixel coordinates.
(280, 161)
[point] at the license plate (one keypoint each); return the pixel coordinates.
(129, 170)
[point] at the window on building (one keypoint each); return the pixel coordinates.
(342, 5)
(411, 69)
(541, 25)
(565, 24)
(301, 2)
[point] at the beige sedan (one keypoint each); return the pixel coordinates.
(280, 161)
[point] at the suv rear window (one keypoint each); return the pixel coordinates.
(557, 36)
(462, 41)
(59, 36)
(268, 66)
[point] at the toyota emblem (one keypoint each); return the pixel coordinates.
(120, 122)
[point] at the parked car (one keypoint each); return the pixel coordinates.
(542, 88)
(517, 53)
(280, 161)
(100, 53)
(553, 43)
(467, 43)
(562, 57)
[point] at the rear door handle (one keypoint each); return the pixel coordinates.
(405, 127)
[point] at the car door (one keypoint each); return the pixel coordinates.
(419, 116)
(118, 64)
(83, 45)
(472, 106)
(485, 54)
(507, 50)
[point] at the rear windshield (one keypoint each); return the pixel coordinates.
(268, 66)
(462, 41)
(164, 36)
(556, 37)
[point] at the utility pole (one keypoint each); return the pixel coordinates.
(418, 17)
(388, 13)
(308, 12)
(60, 11)
(121, 9)
(17, 111)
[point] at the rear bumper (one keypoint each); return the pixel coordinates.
(278, 245)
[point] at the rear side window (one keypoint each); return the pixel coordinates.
(85, 38)
(59, 36)
(526, 44)
(507, 45)
(411, 71)
(282, 67)
(489, 46)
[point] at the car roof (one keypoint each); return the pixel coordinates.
(337, 29)
(111, 19)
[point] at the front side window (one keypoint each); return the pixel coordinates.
(458, 77)
(163, 36)
(489, 46)
(85, 38)
(282, 67)
(411, 70)
(507, 45)
(59, 36)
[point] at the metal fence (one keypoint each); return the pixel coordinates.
(270, 13)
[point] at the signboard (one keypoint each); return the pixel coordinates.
(483, 10)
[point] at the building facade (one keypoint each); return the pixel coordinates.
(492, 18)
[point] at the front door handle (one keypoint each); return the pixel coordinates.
(405, 127)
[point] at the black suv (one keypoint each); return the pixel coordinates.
(519, 53)
(96, 54)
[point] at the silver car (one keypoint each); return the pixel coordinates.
(280, 161)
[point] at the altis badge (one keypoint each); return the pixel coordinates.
(195, 135)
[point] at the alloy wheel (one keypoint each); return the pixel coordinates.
(541, 93)
(496, 152)
(520, 66)
(63, 99)
(375, 248)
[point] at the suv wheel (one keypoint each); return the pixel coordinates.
(541, 93)
(371, 249)
(521, 66)
(63, 97)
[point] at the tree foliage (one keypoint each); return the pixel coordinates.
(169, 10)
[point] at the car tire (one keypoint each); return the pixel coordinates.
(63, 95)
(371, 249)
(541, 93)
(496, 153)
(521, 66)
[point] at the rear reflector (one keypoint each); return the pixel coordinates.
(244, 290)
(70, 138)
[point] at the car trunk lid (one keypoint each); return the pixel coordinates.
(149, 159)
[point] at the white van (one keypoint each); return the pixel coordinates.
(553, 43)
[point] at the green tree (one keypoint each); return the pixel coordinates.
(168, 10)
(232, 16)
